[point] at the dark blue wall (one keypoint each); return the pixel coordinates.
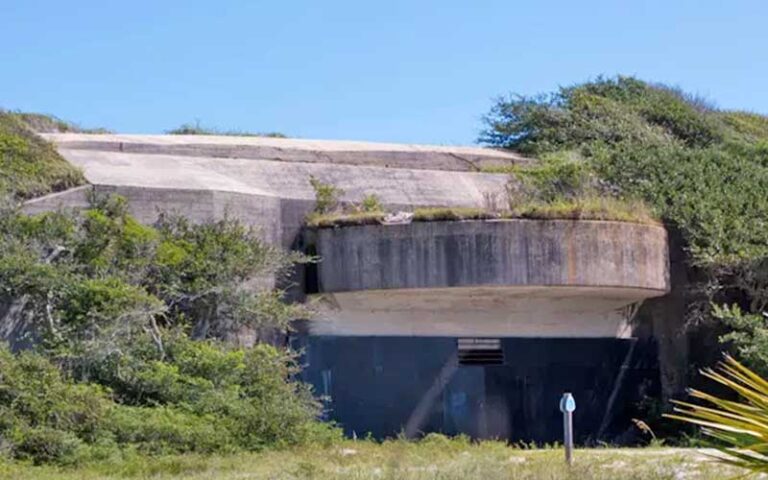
(388, 385)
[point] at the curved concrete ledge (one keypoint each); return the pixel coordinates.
(521, 278)
(493, 253)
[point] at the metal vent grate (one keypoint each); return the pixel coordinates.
(480, 351)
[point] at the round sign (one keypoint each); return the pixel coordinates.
(567, 403)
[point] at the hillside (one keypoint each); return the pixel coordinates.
(30, 166)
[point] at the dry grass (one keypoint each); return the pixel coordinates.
(433, 459)
(323, 220)
(587, 208)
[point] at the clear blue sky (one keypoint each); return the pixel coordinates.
(406, 71)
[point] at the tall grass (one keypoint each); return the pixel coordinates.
(434, 458)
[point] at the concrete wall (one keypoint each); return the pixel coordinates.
(508, 252)
(523, 278)
(273, 195)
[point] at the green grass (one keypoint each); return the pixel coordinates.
(434, 458)
(588, 208)
(752, 127)
(198, 129)
(29, 165)
(42, 123)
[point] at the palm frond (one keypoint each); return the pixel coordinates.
(740, 427)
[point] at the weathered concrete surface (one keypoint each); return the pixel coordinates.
(514, 311)
(522, 278)
(504, 252)
(429, 157)
(273, 195)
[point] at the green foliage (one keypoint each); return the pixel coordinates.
(748, 335)
(113, 307)
(371, 204)
(102, 277)
(197, 129)
(203, 397)
(741, 427)
(704, 171)
(326, 196)
(43, 123)
(44, 417)
(556, 177)
(30, 166)
(587, 208)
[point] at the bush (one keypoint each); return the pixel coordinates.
(30, 166)
(46, 445)
(326, 196)
(113, 307)
(371, 204)
(163, 430)
(203, 397)
(704, 171)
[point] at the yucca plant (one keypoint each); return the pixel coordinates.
(741, 426)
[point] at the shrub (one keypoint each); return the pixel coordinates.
(113, 306)
(371, 204)
(703, 171)
(203, 397)
(46, 445)
(162, 430)
(326, 196)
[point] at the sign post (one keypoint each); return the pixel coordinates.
(567, 406)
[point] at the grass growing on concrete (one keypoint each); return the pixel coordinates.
(29, 165)
(436, 457)
(589, 208)
(198, 129)
(586, 208)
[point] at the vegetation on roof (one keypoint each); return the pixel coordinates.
(593, 208)
(29, 165)
(198, 129)
(704, 170)
(558, 186)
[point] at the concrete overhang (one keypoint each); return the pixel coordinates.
(530, 278)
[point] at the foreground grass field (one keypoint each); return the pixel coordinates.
(437, 458)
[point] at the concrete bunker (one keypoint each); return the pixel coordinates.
(473, 327)
(478, 326)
